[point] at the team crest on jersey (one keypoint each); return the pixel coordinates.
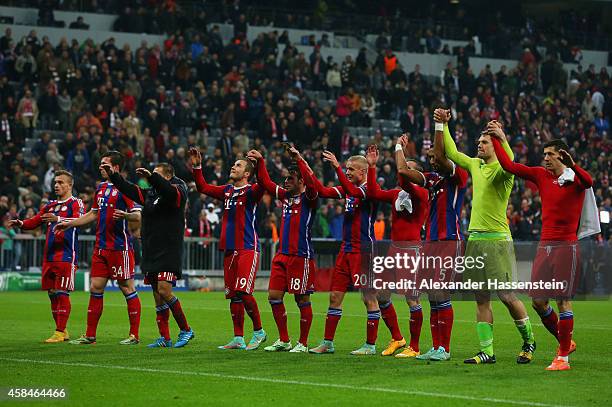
(114, 192)
(297, 201)
(64, 208)
(155, 201)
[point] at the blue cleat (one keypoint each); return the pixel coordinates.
(160, 343)
(258, 338)
(183, 338)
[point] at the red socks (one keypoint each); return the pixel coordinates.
(133, 308)
(372, 327)
(53, 300)
(237, 311)
(445, 323)
(331, 322)
(305, 321)
(389, 315)
(550, 320)
(280, 317)
(433, 323)
(178, 314)
(163, 315)
(63, 308)
(416, 322)
(250, 306)
(94, 311)
(564, 332)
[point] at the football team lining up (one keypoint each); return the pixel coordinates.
(433, 199)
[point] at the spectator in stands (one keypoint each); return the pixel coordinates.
(27, 112)
(79, 24)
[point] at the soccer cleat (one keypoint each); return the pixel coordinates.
(325, 347)
(408, 353)
(393, 347)
(366, 349)
(130, 340)
(161, 342)
(57, 337)
(440, 354)
(526, 354)
(426, 355)
(481, 358)
(299, 348)
(183, 338)
(258, 338)
(278, 346)
(84, 340)
(559, 364)
(572, 348)
(236, 343)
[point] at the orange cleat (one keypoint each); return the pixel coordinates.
(559, 364)
(572, 348)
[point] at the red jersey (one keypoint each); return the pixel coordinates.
(298, 216)
(561, 204)
(60, 246)
(407, 224)
(238, 226)
(112, 234)
(446, 199)
(359, 211)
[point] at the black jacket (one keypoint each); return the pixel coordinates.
(163, 221)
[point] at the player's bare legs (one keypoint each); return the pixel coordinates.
(416, 322)
(94, 310)
(164, 289)
(389, 316)
(133, 308)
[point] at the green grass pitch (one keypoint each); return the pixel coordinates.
(200, 374)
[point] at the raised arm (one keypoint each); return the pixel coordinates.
(404, 172)
(132, 191)
(374, 191)
(445, 167)
(311, 190)
(583, 177)
(312, 182)
(508, 165)
(169, 192)
(347, 185)
(203, 187)
(263, 177)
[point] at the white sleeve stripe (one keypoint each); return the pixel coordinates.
(338, 192)
(276, 192)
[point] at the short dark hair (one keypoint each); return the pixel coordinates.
(293, 169)
(166, 168)
(116, 158)
(419, 166)
(63, 172)
(557, 144)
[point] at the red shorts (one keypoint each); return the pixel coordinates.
(165, 276)
(440, 262)
(239, 271)
(559, 261)
(403, 275)
(352, 270)
(292, 274)
(58, 275)
(112, 264)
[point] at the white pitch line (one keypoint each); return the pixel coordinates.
(463, 321)
(292, 382)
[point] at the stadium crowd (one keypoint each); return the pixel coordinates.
(79, 100)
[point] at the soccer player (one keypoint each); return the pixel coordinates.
(113, 256)
(240, 243)
(557, 255)
(447, 184)
(60, 253)
(163, 231)
(355, 258)
(490, 235)
(409, 208)
(293, 267)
